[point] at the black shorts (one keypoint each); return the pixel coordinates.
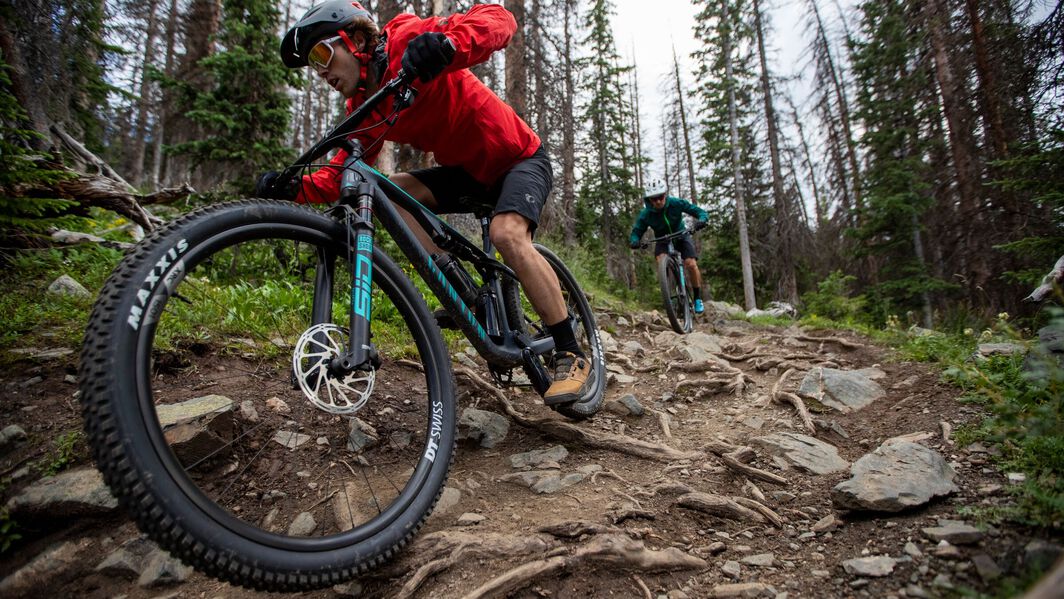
(682, 243)
(523, 189)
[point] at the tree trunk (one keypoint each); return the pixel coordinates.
(844, 106)
(568, 131)
(788, 284)
(988, 89)
(140, 133)
(516, 62)
(683, 126)
(162, 112)
(750, 302)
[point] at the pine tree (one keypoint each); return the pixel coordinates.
(20, 169)
(608, 183)
(245, 107)
(892, 79)
(726, 90)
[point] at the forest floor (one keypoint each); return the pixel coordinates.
(622, 530)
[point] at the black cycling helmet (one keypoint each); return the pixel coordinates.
(321, 21)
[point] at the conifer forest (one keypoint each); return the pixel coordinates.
(922, 163)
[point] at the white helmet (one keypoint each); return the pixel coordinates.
(656, 188)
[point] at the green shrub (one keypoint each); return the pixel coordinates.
(832, 299)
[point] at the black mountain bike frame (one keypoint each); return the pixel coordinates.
(365, 193)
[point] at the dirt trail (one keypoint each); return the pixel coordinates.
(667, 504)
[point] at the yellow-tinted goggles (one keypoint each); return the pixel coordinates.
(322, 53)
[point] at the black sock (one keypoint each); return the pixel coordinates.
(564, 339)
(698, 293)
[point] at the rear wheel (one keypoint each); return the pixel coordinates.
(198, 424)
(520, 314)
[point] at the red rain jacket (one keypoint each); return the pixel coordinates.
(455, 116)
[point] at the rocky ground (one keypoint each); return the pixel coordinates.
(737, 461)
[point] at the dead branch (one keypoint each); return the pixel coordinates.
(74, 238)
(611, 549)
(735, 458)
(1054, 277)
(167, 195)
(88, 158)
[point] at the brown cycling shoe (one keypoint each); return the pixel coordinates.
(571, 374)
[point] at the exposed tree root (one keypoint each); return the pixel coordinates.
(411, 364)
(630, 364)
(822, 340)
(632, 514)
(705, 387)
(571, 432)
(669, 487)
(643, 587)
(762, 509)
(780, 396)
(446, 548)
(754, 491)
(718, 505)
(663, 422)
(574, 529)
(610, 549)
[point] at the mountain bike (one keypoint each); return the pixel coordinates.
(252, 435)
(676, 290)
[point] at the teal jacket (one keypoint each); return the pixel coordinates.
(667, 220)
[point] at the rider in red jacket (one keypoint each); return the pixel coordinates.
(488, 157)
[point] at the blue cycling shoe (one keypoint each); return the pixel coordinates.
(699, 308)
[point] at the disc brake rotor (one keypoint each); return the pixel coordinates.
(316, 347)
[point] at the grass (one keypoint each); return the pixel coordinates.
(35, 318)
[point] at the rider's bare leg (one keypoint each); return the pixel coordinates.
(693, 273)
(512, 236)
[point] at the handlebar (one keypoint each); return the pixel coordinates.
(337, 137)
(686, 231)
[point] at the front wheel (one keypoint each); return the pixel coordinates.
(198, 422)
(521, 315)
(674, 294)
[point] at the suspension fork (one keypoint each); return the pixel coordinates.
(356, 194)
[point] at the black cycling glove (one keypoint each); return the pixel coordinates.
(699, 225)
(266, 187)
(427, 55)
